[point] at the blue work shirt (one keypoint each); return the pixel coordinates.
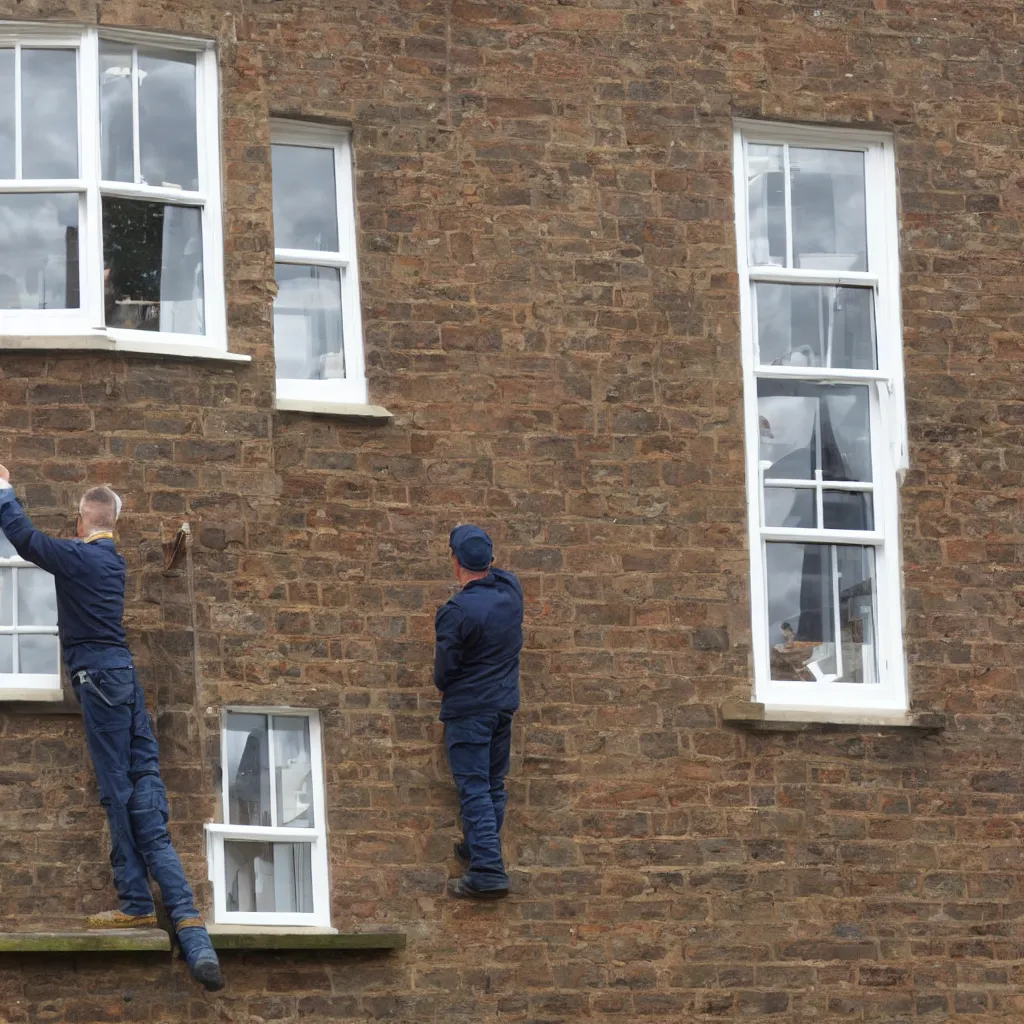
(479, 637)
(90, 578)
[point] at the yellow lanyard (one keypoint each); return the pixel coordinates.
(101, 535)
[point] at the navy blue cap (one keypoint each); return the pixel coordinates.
(472, 547)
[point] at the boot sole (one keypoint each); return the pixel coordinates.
(207, 973)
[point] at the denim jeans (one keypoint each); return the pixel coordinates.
(478, 755)
(126, 761)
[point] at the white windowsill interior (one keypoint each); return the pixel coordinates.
(268, 929)
(102, 341)
(351, 409)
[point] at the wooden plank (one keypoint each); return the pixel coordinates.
(114, 940)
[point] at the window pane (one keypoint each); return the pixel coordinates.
(294, 769)
(307, 323)
(6, 653)
(821, 613)
(305, 199)
(37, 598)
(767, 206)
(248, 770)
(168, 153)
(153, 260)
(6, 548)
(848, 510)
(6, 597)
(828, 208)
(7, 120)
(38, 654)
(49, 114)
(268, 877)
(809, 427)
(790, 506)
(116, 146)
(39, 251)
(808, 325)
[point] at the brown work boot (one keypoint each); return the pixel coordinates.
(119, 919)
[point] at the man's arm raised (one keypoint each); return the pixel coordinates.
(33, 545)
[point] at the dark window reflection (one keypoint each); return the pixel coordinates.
(153, 266)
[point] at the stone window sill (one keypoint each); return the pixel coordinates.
(242, 937)
(114, 940)
(763, 718)
(346, 410)
(102, 341)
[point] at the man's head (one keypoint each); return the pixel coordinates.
(97, 510)
(472, 552)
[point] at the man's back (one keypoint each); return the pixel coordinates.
(479, 639)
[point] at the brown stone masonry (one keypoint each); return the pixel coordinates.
(550, 309)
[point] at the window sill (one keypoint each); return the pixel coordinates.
(242, 937)
(101, 341)
(765, 718)
(347, 410)
(39, 702)
(114, 940)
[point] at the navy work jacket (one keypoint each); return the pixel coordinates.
(90, 578)
(479, 637)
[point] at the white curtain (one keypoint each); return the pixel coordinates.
(181, 271)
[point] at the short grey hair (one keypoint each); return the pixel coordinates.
(104, 506)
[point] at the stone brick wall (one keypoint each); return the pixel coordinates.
(551, 311)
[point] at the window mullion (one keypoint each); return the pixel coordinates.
(136, 157)
(788, 202)
(90, 235)
(272, 763)
(17, 110)
(15, 646)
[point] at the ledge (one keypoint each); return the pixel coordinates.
(757, 717)
(346, 410)
(226, 937)
(114, 940)
(61, 703)
(100, 341)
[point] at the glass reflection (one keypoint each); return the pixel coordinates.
(6, 597)
(828, 209)
(49, 113)
(153, 266)
(822, 613)
(6, 653)
(790, 507)
(38, 653)
(308, 341)
(248, 770)
(811, 325)
(766, 203)
(7, 114)
(268, 877)
(168, 154)
(807, 427)
(305, 199)
(116, 142)
(6, 547)
(37, 598)
(39, 251)
(294, 770)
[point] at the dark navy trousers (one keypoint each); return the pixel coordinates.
(126, 761)
(479, 748)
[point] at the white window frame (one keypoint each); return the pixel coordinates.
(350, 390)
(84, 327)
(218, 832)
(35, 685)
(887, 419)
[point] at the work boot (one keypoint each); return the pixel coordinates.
(463, 890)
(199, 953)
(119, 919)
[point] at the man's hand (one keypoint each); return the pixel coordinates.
(5, 473)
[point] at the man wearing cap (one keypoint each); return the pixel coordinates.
(476, 668)
(89, 575)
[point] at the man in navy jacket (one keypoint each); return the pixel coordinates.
(89, 575)
(476, 668)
